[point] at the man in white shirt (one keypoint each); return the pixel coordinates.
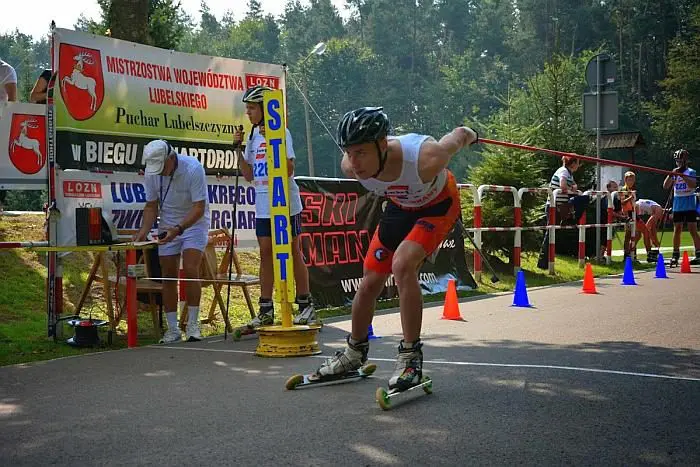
(8, 83)
(8, 92)
(176, 186)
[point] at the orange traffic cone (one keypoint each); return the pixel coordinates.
(451, 309)
(685, 264)
(588, 282)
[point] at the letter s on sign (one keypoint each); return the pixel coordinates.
(275, 120)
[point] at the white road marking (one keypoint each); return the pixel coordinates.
(503, 365)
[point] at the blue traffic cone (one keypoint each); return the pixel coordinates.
(660, 268)
(520, 298)
(371, 335)
(628, 276)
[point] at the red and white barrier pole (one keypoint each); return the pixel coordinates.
(477, 226)
(582, 240)
(608, 249)
(552, 217)
(11, 245)
(517, 214)
(131, 321)
(517, 243)
(609, 231)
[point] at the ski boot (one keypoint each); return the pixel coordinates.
(695, 261)
(266, 317)
(408, 375)
(652, 256)
(307, 313)
(409, 367)
(350, 363)
(675, 258)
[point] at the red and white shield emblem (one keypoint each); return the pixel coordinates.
(80, 79)
(27, 144)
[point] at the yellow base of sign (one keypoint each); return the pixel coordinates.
(293, 341)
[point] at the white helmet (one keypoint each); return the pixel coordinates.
(255, 94)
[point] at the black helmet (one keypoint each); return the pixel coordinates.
(255, 94)
(363, 125)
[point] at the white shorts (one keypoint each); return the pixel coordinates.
(193, 238)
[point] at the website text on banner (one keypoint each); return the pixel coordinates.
(114, 96)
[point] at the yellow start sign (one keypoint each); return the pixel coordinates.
(278, 188)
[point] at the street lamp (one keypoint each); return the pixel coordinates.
(318, 49)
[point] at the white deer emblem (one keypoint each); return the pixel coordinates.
(79, 80)
(25, 141)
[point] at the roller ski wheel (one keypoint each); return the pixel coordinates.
(383, 395)
(673, 262)
(312, 379)
(243, 331)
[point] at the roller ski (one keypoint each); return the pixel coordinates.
(241, 331)
(266, 317)
(348, 364)
(313, 379)
(408, 375)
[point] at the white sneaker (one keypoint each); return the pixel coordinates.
(171, 336)
(264, 318)
(306, 316)
(193, 334)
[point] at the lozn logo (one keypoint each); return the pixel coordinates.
(262, 80)
(27, 142)
(82, 83)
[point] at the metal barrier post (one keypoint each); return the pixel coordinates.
(477, 226)
(517, 214)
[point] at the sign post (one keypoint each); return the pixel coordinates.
(287, 340)
(278, 188)
(600, 112)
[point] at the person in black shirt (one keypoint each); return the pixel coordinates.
(38, 95)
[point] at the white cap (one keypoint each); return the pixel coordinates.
(154, 155)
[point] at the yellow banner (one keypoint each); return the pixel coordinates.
(278, 188)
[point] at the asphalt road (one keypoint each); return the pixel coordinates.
(607, 379)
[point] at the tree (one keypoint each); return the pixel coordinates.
(253, 39)
(254, 10)
(507, 167)
(29, 58)
(160, 23)
(128, 20)
(304, 27)
(209, 24)
(344, 78)
(546, 112)
(677, 112)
